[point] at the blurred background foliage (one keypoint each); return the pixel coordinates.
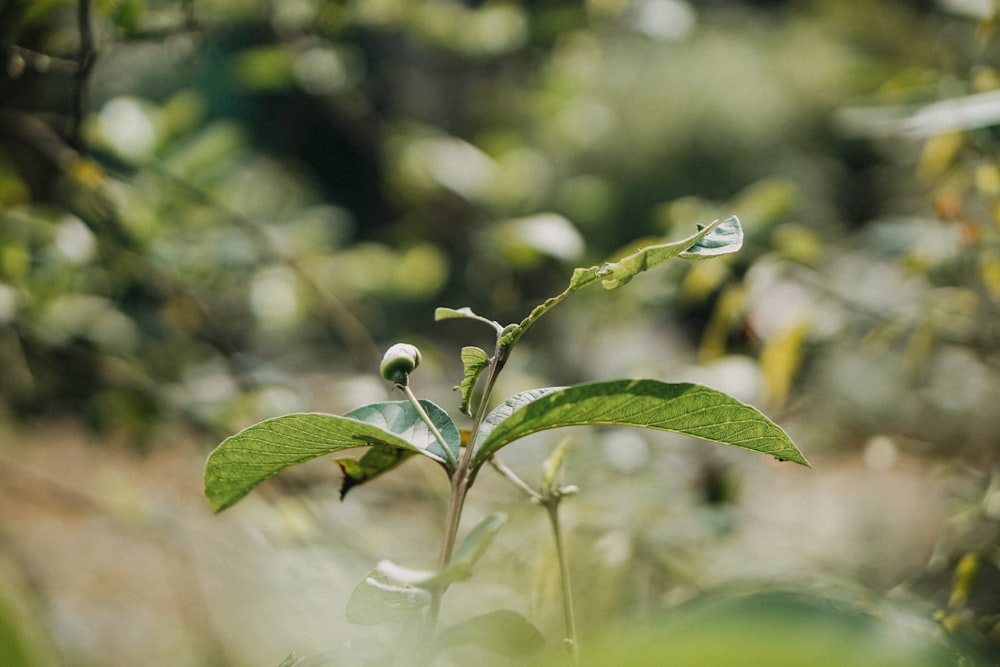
(214, 212)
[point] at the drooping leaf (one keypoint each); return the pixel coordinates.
(374, 462)
(683, 408)
(401, 418)
(474, 361)
(377, 600)
(503, 632)
(717, 238)
(246, 459)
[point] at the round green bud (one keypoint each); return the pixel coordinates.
(398, 362)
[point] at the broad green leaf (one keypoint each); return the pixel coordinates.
(402, 419)
(503, 632)
(717, 238)
(376, 461)
(246, 459)
(505, 409)
(377, 600)
(683, 408)
(474, 361)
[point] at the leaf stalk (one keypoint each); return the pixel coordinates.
(449, 455)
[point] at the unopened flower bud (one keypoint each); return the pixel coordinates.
(398, 362)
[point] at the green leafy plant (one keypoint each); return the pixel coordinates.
(394, 431)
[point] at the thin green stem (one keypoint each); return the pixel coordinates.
(552, 506)
(550, 497)
(512, 477)
(430, 424)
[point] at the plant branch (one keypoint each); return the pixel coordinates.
(515, 480)
(550, 497)
(462, 479)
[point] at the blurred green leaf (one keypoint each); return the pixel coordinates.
(778, 628)
(462, 561)
(265, 68)
(503, 632)
(377, 600)
(683, 408)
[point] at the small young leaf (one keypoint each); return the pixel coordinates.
(246, 459)
(552, 466)
(471, 550)
(464, 313)
(723, 239)
(377, 600)
(474, 545)
(402, 419)
(683, 408)
(376, 461)
(503, 632)
(717, 238)
(474, 360)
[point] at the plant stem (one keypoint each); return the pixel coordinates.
(550, 497)
(552, 507)
(462, 479)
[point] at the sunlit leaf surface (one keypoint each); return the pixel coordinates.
(684, 408)
(246, 459)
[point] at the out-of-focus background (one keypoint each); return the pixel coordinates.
(216, 212)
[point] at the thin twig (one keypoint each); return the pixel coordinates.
(512, 477)
(85, 64)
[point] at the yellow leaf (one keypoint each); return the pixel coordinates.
(780, 360)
